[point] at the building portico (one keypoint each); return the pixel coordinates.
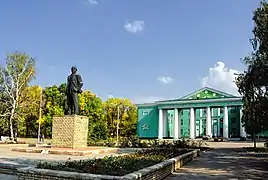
(206, 112)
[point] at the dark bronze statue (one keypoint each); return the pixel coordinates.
(74, 87)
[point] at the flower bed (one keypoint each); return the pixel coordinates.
(117, 165)
(256, 150)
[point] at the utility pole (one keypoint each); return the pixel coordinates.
(40, 115)
(117, 125)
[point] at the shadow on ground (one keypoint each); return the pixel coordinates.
(225, 163)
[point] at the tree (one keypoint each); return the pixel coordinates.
(121, 115)
(253, 83)
(91, 106)
(29, 107)
(14, 78)
(53, 106)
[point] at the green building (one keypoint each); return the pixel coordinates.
(204, 112)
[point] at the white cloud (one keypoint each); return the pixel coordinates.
(165, 79)
(93, 2)
(148, 99)
(110, 96)
(135, 26)
(222, 78)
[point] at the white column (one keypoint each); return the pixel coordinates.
(179, 123)
(160, 124)
(212, 113)
(208, 124)
(192, 123)
(225, 123)
(165, 116)
(242, 129)
(200, 126)
(201, 112)
(176, 124)
(219, 123)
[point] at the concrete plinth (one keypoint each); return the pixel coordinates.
(70, 131)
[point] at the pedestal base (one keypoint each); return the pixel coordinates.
(70, 131)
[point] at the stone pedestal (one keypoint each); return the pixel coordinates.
(70, 131)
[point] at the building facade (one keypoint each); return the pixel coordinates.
(206, 112)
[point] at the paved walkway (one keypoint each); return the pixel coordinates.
(31, 159)
(226, 161)
(224, 164)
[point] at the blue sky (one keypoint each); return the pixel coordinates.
(141, 49)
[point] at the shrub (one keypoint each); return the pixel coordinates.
(135, 142)
(117, 165)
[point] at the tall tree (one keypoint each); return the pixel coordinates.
(253, 83)
(91, 106)
(121, 117)
(29, 107)
(53, 106)
(15, 76)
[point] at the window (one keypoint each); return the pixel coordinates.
(181, 121)
(233, 120)
(181, 131)
(181, 112)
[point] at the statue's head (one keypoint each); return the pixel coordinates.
(74, 69)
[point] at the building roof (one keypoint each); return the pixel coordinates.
(201, 94)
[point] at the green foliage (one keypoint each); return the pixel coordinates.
(253, 83)
(53, 106)
(29, 105)
(117, 165)
(18, 72)
(91, 106)
(121, 111)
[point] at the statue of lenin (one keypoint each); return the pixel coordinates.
(74, 85)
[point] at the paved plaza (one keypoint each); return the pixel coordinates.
(225, 161)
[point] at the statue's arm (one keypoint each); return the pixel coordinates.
(80, 82)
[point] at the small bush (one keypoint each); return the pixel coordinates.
(257, 149)
(117, 165)
(135, 142)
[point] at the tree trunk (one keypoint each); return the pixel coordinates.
(254, 141)
(11, 123)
